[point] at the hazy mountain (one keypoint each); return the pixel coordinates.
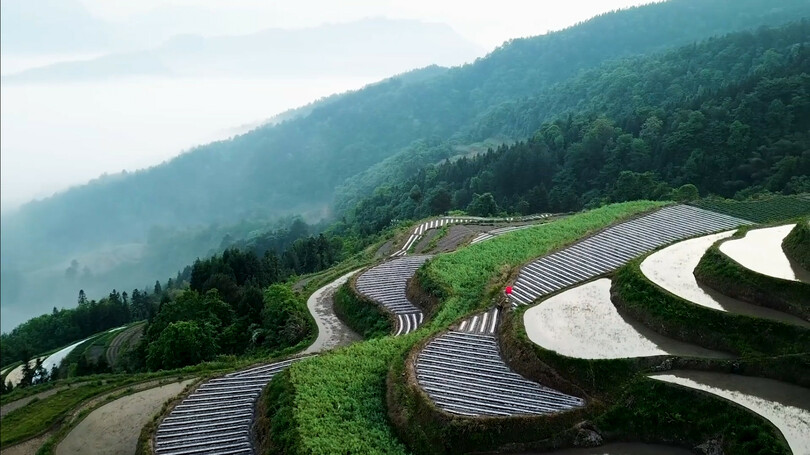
(376, 47)
(295, 166)
(50, 26)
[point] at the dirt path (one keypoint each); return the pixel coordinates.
(332, 332)
(115, 427)
(123, 340)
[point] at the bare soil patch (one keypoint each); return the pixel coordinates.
(114, 428)
(122, 341)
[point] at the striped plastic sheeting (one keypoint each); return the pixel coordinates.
(463, 373)
(615, 246)
(421, 229)
(386, 283)
(217, 417)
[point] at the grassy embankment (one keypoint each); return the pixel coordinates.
(718, 271)
(797, 244)
(337, 402)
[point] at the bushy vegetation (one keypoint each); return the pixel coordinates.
(337, 402)
(657, 412)
(65, 326)
(797, 244)
(752, 118)
(361, 315)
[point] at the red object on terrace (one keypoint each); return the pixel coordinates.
(508, 290)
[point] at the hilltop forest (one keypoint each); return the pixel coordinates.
(727, 117)
(324, 159)
(654, 102)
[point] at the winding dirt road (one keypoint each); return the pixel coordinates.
(332, 332)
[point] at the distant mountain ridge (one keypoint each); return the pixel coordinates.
(338, 50)
(295, 166)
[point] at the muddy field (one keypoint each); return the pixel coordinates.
(785, 405)
(582, 322)
(761, 251)
(672, 269)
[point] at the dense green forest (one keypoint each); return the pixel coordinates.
(295, 166)
(731, 126)
(224, 304)
(727, 116)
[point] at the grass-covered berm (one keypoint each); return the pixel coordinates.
(337, 403)
(797, 244)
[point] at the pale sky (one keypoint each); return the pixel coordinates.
(488, 23)
(54, 136)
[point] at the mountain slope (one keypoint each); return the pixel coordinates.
(640, 127)
(296, 165)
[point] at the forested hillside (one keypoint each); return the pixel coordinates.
(295, 166)
(730, 116)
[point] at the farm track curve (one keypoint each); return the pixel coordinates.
(332, 332)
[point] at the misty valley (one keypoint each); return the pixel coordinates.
(374, 234)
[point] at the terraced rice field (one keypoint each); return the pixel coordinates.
(671, 268)
(483, 324)
(123, 341)
(15, 375)
(463, 373)
(761, 251)
(609, 249)
(114, 427)
(386, 283)
(421, 229)
(583, 323)
(217, 417)
(785, 405)
(496, 232)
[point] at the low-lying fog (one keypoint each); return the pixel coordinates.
(69, 133)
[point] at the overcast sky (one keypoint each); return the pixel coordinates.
(488, 23)
(57, 135)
